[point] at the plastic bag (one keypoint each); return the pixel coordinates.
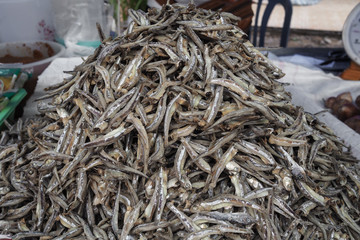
(25, 20)
(12, 79)
(75, 24)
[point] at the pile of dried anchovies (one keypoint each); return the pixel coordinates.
(176, 130)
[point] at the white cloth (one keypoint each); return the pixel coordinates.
(53, 74)
(308, 87)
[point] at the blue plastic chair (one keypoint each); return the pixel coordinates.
(269, 8)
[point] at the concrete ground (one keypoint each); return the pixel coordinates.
(318, 25)
(309, 39)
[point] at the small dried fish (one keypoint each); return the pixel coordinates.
(177, 129)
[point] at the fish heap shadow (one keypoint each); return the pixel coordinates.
(178, 129)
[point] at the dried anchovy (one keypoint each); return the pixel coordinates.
(178, 129)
